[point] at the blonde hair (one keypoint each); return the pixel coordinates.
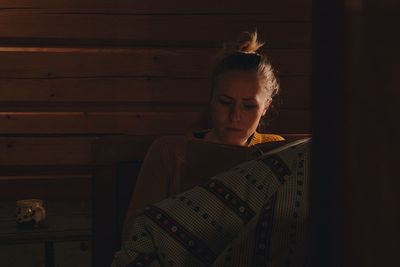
(250, 44)
(244, 55)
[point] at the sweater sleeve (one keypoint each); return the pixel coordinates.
(153, 183)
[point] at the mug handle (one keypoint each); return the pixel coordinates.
(40, 214)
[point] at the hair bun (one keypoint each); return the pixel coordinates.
(249, 43)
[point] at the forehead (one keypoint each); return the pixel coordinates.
(238, 83)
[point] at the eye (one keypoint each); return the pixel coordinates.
(224, 102)
(249, 106)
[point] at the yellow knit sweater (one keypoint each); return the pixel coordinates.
(259, 138)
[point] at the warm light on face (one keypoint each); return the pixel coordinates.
(238, 103)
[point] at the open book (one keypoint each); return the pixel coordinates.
(205, 159)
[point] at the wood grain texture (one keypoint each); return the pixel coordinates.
(131, 62)
(125, 122)
(96, 29)
(67, 187)
(98, 122)
(43, 151)
(295, 92)
(284, 9)
(113, 89)
(108, 150)
(102, 107)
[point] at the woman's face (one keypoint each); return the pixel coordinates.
(238, 103)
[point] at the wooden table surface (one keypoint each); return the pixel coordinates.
(65, 221)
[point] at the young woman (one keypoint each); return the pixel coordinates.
(243, 86)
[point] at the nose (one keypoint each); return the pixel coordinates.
(235, 114)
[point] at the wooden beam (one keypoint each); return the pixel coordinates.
(37, 62)
(157, 91)
(284, 9)
(61, 27)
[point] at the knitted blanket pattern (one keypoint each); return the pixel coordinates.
(252, 215)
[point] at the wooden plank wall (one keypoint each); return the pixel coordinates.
(74, 70)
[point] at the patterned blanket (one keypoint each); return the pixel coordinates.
(252, 215)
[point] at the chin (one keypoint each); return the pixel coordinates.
(232, 138)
